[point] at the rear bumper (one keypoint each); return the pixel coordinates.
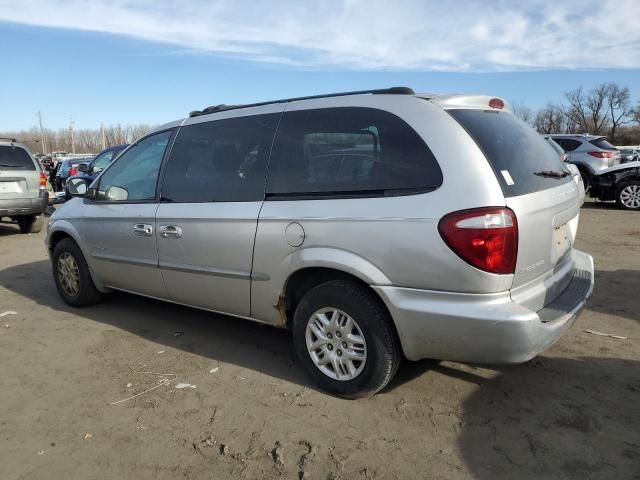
(484, 328)
(24, 206)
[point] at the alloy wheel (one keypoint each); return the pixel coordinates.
(336, 344)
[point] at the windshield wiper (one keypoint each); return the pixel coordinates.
(553, 173)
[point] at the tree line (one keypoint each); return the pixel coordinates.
(604, 110)
(85, 140)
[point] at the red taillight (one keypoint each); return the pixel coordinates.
(601, 154)
(43, 181)
(486, 238)
(73, 171)
(496, 103)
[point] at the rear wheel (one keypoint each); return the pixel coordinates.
(344, 337)
(628, 195)
(30, 223)
(71, 274)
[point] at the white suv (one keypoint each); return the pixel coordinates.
(590, 153)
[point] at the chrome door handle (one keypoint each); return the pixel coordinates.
(170, 231)
(143, 229)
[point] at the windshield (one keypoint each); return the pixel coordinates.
(519, 156)
(15, 158)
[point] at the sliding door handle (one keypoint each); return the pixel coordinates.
(170, 231)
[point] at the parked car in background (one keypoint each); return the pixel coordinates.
(63, 171)
(620, 183)
(376, 225)
(91, 170)
(571, 167)
(590, 153)
(629, 155)
(23, 187)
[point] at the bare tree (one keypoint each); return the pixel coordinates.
(550, 119)
(619, 106)
(523, 112)
(589, 111)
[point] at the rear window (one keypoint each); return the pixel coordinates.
(603, 144)
(516, 152)
(15, 158)
(349, 151)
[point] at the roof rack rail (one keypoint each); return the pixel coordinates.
(8, 139)
(380, 91)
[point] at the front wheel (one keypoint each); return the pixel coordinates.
(344, 337)
(628, 195)
(71, 274)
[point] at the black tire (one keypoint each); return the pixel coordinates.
(87, 294)
(366, 309)
(586, 179)
(30, 223)
(634, 184)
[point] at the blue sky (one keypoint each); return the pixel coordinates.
(148, 61)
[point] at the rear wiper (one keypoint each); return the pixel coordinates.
(4, 165)
(553, 173)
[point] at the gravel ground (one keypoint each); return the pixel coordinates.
(251, 412)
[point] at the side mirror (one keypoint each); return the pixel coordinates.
(83, 167)
(77, 187)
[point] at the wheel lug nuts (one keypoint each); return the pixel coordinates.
(329, 347)
(339, 352)
(338, 334)
(329, 335)
(344, 344)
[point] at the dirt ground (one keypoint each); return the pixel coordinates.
(572, 413)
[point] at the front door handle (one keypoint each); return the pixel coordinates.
(170, 231)
(143, 229)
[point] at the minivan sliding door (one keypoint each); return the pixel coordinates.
(212, 193)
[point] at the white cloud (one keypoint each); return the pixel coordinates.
(451, 35)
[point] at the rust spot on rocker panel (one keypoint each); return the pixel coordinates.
(281, 307)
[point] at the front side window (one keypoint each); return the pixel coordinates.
(350, 151)
(220, 161)
(135, 175)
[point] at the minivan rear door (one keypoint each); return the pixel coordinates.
(541, 192)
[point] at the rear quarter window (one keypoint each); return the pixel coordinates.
(515, 151)
(350, 152)
(15, 158)
(603, 144)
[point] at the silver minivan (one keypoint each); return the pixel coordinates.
(375, 225)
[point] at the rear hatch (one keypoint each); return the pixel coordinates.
(19, 176)
(541, 192)
(610, 154)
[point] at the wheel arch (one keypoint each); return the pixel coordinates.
(303, 280)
